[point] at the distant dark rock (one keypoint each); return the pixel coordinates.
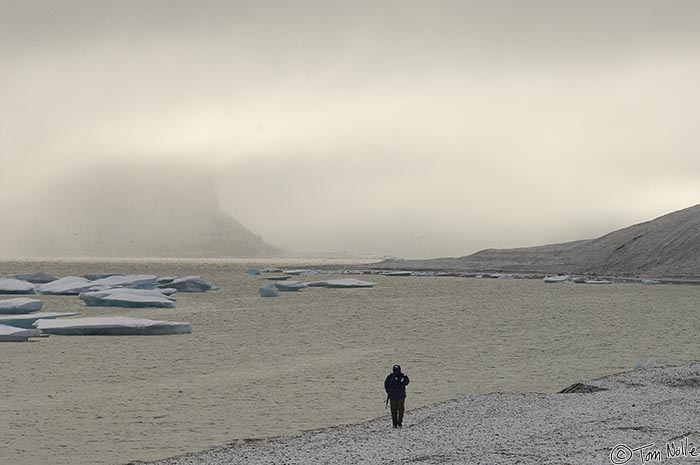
(580, 388)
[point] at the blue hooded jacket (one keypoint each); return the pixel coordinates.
(395, 385)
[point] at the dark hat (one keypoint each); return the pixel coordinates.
(396, 368)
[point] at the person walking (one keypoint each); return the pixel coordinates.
(395, 387)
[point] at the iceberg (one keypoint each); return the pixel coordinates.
(348, 283)
(70, 285)
(20, 305)
(36, 278)
(295, 272)
(13, 334)
(128, 298)
(190, 284)
(137, 281)
(343, 283)
(26, 321)
(268, 291)
(423, 273)
(112, 326)
(556, 279)
(288, 286)
(96, 276)
(15, 286)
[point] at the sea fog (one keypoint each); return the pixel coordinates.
(256, 367)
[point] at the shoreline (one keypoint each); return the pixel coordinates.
(657, 406)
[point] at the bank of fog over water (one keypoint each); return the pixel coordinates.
(257, 367)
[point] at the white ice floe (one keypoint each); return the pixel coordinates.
(556, 279)
(36, 278)
(289, 286)
(136, 281)
(96, 276)
(14, 334)
(190, 284)
(271, 270)
(112, 326)
(597, 281)
(129, 298)
(423, 273)
(344, 283)
(26, 321)
(70, 285)
(20, 305)
(268, 291)
(16, 286)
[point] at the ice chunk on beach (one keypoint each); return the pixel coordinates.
(26, 321)
(190, 284)
(13, 334)
(648, 365)
(128, 298)
(287, 286)
(20, 305)
(268, 291)
(15, 286)
(70, 285)
(135, 281)
(112, 326)
(556, 279)
(36, 278)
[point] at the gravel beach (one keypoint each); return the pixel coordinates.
(656, 408)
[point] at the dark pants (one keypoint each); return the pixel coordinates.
(397, 411)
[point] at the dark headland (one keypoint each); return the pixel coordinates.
(666, 247)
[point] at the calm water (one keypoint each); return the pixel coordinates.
(260, 367)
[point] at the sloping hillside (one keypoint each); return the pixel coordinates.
(668, 246)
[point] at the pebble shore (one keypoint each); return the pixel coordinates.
(658, 408)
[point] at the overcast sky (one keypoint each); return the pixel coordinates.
(412, 128)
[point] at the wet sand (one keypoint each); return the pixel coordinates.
(657, 408)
